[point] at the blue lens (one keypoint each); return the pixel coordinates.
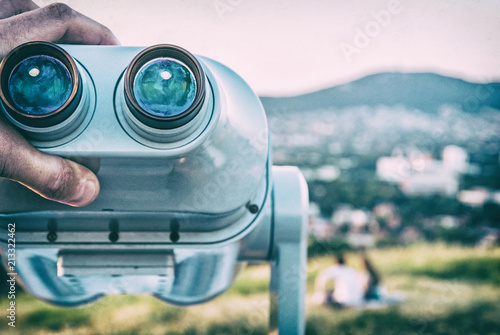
(39, 85)
(164, 87)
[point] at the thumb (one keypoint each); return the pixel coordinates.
(59, 179)
(50, 176)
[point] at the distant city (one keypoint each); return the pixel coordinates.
(394, 171)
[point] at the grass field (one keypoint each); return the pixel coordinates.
(448, 290)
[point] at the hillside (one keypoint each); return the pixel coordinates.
(424, 91)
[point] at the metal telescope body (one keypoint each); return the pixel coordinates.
(175, 217)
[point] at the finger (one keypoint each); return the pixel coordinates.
(53, 23)
(10, 8)
(83, 30)
(52, 177)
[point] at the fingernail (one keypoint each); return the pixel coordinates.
(85, 194)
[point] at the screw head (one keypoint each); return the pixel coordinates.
(253, 208)
(51, 236)
(113, 236)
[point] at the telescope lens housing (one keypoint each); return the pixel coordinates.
(40, 85)
(164, 87)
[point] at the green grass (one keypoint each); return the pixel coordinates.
(487, 270)
(442, 262)
(448, 290)
(476, 319)
(253, 279)
(51, 319)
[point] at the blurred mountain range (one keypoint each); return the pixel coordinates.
(423, 91)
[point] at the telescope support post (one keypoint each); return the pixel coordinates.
(289, 257)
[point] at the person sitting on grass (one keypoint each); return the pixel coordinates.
(348, 290)
(371, 281)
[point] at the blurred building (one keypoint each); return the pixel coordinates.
(478, 196)
(455, 159)
(418, 173)
(393, 169)
(430, 182)
(474, 198)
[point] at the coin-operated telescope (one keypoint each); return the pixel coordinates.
(188, 190)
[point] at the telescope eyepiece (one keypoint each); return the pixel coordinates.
(164, 86)
(40, 85)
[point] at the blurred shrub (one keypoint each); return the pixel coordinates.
(460, 235)
(241, 326)
(249, 286)
(326, 247)
(387, 242)
(56, 319)
(167, 313)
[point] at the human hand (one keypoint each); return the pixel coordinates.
(50, 176)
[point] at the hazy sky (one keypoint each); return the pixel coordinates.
(289, 47)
